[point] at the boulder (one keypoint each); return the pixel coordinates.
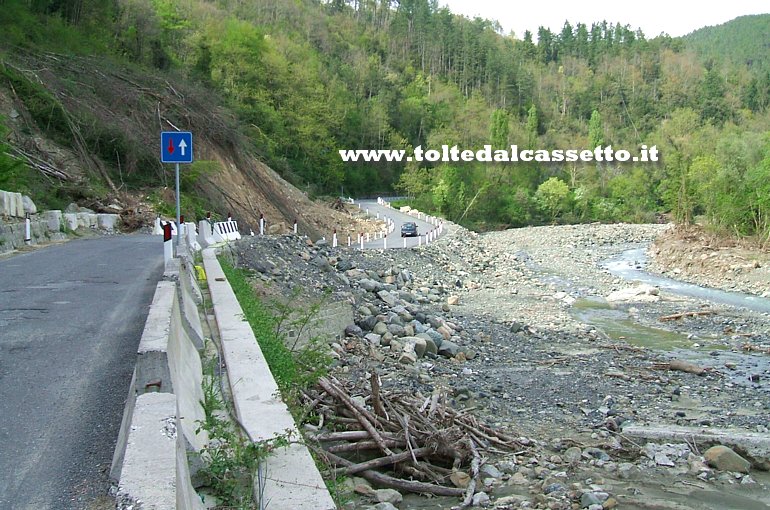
(448, 349)
(387, 297)
(725, 459)
(353, 330)
(29, 205)
(416, 344)
(391, 496)
(642, 293)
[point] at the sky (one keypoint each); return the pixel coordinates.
(673, 17)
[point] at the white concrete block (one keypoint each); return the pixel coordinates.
(87, 220)
(53, 220)
(71, 221)
(107, 221)
(149, 474)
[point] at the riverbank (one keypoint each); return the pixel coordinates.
(531, 347)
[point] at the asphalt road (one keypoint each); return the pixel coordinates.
(71, 316)
(394, 238)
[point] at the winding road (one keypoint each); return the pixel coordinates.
(394, 238)
(71, 316)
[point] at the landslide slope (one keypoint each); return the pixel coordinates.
(87, 130)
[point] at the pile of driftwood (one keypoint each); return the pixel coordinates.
(426, 446)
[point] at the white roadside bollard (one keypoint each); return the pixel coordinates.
(261, 224)
(361, 238)
(295, 227)
(405, 242)
(368, 238)
(157, 229)
(349, 241)
(334, 239)
(385, 242)
(168, 245)
(367, 211)
(27, 230)
(419, 240)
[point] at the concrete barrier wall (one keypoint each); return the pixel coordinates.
(293, 480)
(167, 386)
(155, 474)
(11, 204)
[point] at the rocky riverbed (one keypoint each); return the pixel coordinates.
(514, 327)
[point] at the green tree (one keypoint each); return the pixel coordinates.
(553, 197)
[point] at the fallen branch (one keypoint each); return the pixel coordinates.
(356, 410)
(395, 483)
(681, 315)
(387, 461)
(681, 366)
(475, 464)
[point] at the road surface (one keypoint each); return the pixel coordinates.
(71, 316)
(394, 238)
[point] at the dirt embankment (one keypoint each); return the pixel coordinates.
(693, 255)
(91, 129)
(502, 335)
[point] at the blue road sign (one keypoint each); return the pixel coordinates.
(176, 147)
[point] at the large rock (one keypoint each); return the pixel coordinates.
(416, 344)
(642, 293)
(380, 328)
(353, 330)
(388, 496)
(370, 285)
(430, 347)
(29, 205)
(368, 323)
(437, 337)
(725, 459)
(448, 349)
(387, 297)
(396, 330)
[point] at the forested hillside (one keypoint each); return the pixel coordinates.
(306, 78)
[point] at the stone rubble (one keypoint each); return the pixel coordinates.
(487, 320)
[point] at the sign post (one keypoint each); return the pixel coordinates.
(176, 147)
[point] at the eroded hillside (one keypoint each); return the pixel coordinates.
(87, 130)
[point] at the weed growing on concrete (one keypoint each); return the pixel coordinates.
(234, 463)
(293, 369)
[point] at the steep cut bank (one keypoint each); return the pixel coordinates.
(87, 130)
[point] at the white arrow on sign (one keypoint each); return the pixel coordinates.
(182, 146)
